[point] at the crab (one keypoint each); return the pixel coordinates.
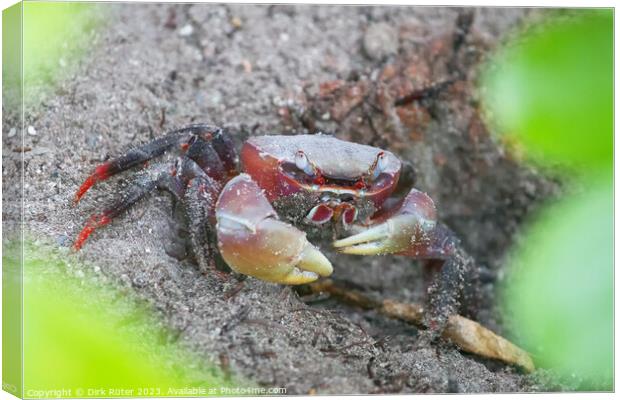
(253, 208)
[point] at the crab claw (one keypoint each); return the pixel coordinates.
(253, 241)
(407, 230)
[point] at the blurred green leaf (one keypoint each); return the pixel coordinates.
(11, 318)
(55, 36)
(81, 335)
(552, 89)
(561, 288)
(12, 56)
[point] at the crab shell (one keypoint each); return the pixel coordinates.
(270, 160)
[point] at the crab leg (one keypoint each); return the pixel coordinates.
(221, 158)
(132, 158)
(225, 149)
(199, 201)
(411, 229)
(156, 176)
(253, 241)
(206, 159)
(205, 156)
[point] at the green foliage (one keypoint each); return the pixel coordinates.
(561, 289)
(42, 43)
(80, 335)
(551, 89)
(11, 320)
(12, 59)
(55, 36)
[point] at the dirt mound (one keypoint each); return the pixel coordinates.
(397, 77)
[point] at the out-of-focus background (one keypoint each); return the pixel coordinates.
(508, 129)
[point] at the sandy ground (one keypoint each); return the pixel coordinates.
(284, 69)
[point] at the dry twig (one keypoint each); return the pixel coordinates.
(468, 335)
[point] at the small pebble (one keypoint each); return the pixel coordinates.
(380, 40)
(63, 241)
(175, 249)
(216, 96)
(247, 66)
(236, 22)
(12, 132)
(92, 141)
(138, 281)
(31, 131)
(186, 30)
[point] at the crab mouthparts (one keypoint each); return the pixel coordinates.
(356, 187)
(324, 212)
(338, 190)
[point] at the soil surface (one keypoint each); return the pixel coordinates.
(402, 78)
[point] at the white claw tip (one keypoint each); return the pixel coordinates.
(314, 261)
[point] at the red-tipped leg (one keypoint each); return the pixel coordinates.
(141, 187)
(209, 146)
(101, 173)
(253, 241)
(96, 221)
(205, 156)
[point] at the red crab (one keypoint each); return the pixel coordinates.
(312, 180)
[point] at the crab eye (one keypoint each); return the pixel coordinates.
(381, 161)
(301, 161)
(379, 165)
